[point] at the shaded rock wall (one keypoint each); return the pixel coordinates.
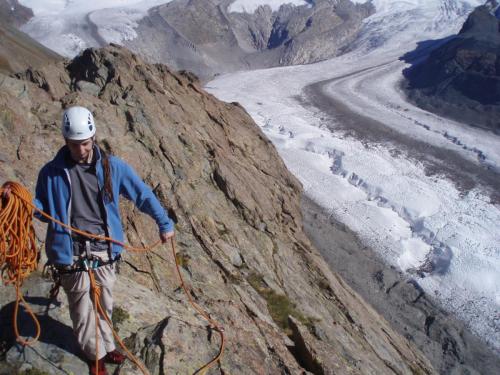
(461, 79)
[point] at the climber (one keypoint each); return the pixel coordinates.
(81, 187)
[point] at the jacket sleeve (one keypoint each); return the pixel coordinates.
(134, 189)
(40, 199)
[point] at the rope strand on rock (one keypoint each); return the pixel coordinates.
(212, 322)
(19, 257)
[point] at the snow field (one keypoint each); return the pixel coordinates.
(69, 26)
(371, 92)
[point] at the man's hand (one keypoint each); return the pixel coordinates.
(165, 236)
(6, 190)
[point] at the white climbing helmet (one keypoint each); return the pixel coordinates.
(78, 124)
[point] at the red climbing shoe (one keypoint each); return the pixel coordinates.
(115, 357)
(93, 369)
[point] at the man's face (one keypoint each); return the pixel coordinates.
(80, 150)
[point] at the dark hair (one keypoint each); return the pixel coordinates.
(108, 185)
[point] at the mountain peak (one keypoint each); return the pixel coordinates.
(483, 23)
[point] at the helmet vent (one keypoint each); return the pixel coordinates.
(67, 124)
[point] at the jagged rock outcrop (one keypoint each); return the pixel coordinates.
(239, 232)
(206, 38)
(461, 78)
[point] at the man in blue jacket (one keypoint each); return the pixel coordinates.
(81, 187)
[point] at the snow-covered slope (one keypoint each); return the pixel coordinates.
(419, 189)
(398, 25)
(69, 26)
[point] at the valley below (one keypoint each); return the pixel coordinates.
(413, 194)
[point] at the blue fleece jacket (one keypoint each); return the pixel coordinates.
(53, 195)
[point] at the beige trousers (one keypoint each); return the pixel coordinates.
(81, 309)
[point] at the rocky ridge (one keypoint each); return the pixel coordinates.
(239, 232)
(461, 78)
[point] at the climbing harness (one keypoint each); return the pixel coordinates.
(19, 257)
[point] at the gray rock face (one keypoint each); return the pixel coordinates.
(13, 13)
(204, 37)
(239, 232)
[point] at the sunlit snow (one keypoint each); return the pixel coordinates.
(69, 26)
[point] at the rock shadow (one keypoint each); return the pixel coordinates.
(424, 48)
(53, 332)
(457, 77)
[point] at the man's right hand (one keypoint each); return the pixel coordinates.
(7, 190)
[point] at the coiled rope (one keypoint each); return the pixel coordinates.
(19, 256)
(18, 252)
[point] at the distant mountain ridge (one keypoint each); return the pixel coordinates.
(461, 78)
(204, 37)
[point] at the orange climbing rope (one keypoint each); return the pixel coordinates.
(213, 323)
(18, 252)
(96, 290)
(19, 257)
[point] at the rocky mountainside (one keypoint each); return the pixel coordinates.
(204, 37)
(494, 7)
(239, 233)
(461, 78)
(13, 13)
(17, 50)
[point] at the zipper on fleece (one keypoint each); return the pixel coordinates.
(101, 190)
